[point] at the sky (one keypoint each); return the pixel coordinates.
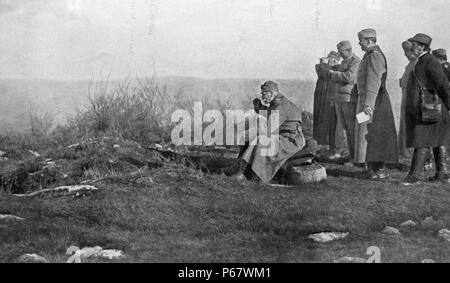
(265, 39)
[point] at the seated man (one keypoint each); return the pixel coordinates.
(289, 142)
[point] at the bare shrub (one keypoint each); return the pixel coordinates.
(138, 109)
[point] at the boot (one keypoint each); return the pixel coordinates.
(419, 159)
(237, 169)
(441, 158)
(376, 171)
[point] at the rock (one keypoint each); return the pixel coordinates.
(327, 237)
(428, 221)
(61, 191)
(428, 261)
(313, 173)
(408, 223)
(37, 155)
(10, 218)
(32, 258)
(78, 255)
(351, 260)
(159, 147)
(445, 234)
(77, 145)
(111, 254)
(391, 231)
(2, 153)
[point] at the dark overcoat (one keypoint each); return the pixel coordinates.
(432, 77)
(324, 116)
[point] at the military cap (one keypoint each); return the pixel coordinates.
(367, 33)
(334, 55)
(269, 86)
(440, 53)
(344, 45)
(422, 38)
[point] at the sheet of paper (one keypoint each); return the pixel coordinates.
(362, 118)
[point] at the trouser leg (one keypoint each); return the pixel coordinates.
(332, 132)
(440, 159)
(348, 116)
(419, 159)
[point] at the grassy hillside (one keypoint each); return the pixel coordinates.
(178, 214)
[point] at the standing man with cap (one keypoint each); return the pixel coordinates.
(427, 74)
(345, 105)
(376, 140)
(441, 54)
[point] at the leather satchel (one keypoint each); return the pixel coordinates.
(430, 106)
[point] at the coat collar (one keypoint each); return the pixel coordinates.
(373, 48)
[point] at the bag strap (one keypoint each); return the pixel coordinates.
(417, 78)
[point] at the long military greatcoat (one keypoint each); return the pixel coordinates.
(290, 141)
(432, 77)
(325, 118)
(376, 140)
(403, 150)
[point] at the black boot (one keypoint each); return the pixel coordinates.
(376, 171)
(441, 158)
(419, 159)
(237, 169)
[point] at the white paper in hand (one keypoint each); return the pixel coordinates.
(362, 118)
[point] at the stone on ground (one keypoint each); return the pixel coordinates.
(327, 237)
(351, 260)
(11, 218)
(408, 223)
(391, 231)
(32, 258)
(61, 191)
(445, 234)
(79, 255)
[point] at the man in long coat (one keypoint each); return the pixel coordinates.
(345, 104)
(423, 136)
(376, 140)
(289, 142)
(327, 130)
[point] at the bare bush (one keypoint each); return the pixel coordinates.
(132, 109)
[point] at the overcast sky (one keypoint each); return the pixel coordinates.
(79, 39)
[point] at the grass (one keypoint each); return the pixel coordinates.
(187, 216)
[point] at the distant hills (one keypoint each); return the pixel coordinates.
(19, 98)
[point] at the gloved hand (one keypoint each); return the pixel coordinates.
(258, 105)
(368, 110)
